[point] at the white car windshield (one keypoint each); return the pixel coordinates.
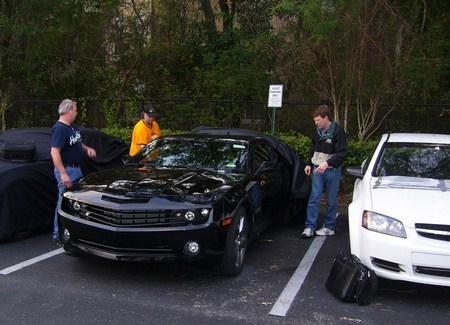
(414, 160)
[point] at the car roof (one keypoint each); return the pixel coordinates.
(234, 133)
(208, 132)
(209, 136)
(417, 138)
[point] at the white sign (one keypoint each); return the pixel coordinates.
(275, 95)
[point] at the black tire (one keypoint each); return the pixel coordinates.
(235, 245)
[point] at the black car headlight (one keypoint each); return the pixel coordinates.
(194, 216)
(383, 224)
(76, 206)
(71, 206)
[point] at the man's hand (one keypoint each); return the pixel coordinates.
(91, 152)
(322, 168)
(65, 179)
(308, 170)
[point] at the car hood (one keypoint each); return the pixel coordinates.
(412, 200)
(150, 181)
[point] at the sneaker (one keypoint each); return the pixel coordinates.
(325, 232)
(307, 233)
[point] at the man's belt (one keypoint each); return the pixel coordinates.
(75, 165)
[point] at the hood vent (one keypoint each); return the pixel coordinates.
(122, 200)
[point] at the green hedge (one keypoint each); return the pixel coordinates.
(357, 151)
(125, 133)
(119, 132)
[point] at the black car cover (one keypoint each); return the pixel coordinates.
(300, 183)
(28, 191)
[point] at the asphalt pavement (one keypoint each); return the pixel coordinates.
(40, 285)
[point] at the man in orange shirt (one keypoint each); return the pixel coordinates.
(145, 131)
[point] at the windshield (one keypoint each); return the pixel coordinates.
(213, 154)
(414, 160)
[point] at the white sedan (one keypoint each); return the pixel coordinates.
(399, 218)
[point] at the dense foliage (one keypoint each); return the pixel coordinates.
(355, 55)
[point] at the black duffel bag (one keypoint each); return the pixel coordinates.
(351, 281)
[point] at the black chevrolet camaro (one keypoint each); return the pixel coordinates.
(205, 194)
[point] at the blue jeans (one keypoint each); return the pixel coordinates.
(74, 173)
(330, 180)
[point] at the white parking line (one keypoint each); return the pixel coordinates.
(282, 305)
(31, 261)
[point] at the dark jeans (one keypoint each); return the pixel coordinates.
(329, 180)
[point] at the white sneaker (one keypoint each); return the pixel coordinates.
(325, 232)
(307, 233)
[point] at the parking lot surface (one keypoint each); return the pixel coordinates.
(42, 285)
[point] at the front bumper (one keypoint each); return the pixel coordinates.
(415, 258)
(125, 243)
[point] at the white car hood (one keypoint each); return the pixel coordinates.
(412, 200)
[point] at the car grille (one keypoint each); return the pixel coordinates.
(125, 252)
(438, 232)
(130, 218)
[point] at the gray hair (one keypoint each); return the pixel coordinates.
(65, 105)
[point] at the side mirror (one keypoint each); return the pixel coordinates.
(354, 171)
(357, 171)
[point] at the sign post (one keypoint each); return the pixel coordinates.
(275, 100)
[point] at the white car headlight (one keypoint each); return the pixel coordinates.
(383, 224)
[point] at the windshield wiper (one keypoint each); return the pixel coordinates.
(135, 164)
(209, 169)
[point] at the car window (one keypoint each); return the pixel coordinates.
(414, 160)
(217, 154)
(261, 153)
